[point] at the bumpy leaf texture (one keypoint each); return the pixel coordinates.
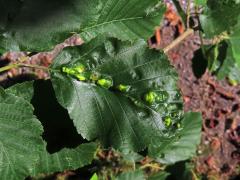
(40, 25)
(118, 119)
(182, 145)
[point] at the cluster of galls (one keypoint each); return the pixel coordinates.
(79, 72)
(152, 98)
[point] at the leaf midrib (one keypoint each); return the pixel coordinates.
(116, 21)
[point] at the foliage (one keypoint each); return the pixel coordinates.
(180, 146)
(116, 117)
(200, 2)
(117, 92)
(65, 159)
(215, 12)
(21, 136)
(226, 59)
(24, 23)
(131, 176)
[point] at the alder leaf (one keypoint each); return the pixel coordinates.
(219, 16)
(132, 175)
(40, 25)
(24, 90)
(20, 137)
(118, 119)
(182, 145)
(65, 159)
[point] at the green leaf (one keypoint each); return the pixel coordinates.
(159, 176)
(118, 119)
(20, 137)
(200, 2)
(40, 25)
(22, 150)
(219, 16)
(133, 175)
(224, 63)
(182, 145)
(223, 16)
(212, 56)
(24, 90)
(235, 43)
(7, 43)
(131, 157)
(94, 177)
(228, 68)
(66, 159)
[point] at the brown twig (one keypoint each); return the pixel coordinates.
(187, 33)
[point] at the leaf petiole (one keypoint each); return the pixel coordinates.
(5, 68)
(18, 65)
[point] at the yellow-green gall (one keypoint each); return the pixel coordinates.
(123, 88)
(150, 97)
(167, 121)
(68, 70)
(79, 69)
(65, 69)
(106, 83)
(80, 77)
(178, 125)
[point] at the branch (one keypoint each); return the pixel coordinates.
(38, 61)
(178, 40)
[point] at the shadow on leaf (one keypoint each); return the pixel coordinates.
(31, 12)
(59, 131)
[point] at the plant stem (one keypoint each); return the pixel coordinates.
(202, 44)
(222, 36)
(187, 33)
(8, 67)
(17, 65)
(188, 13)
(33, 66)
(153, 166)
